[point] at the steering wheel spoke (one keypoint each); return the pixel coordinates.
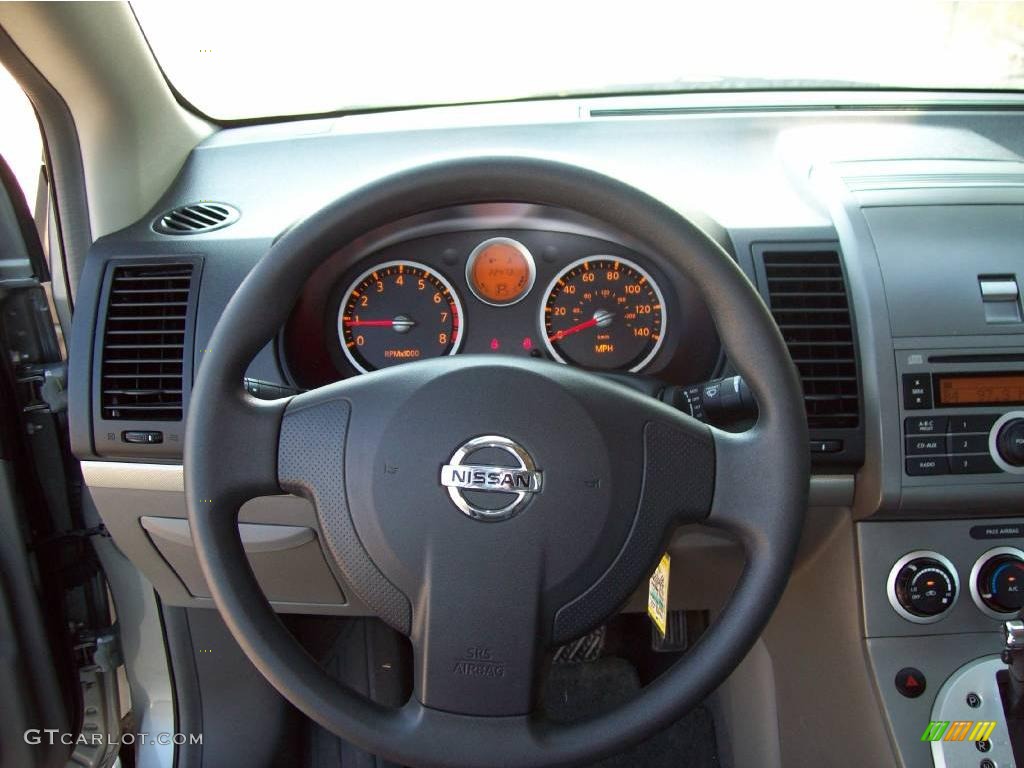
(748, 480)
(237, 461)
(312, 449)
(475, 644)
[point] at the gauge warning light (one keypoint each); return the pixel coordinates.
(500, 271)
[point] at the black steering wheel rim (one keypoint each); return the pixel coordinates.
(231, 454)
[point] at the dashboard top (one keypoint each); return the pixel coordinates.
(743, 167)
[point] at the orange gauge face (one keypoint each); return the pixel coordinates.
(500, 271)
(398, 312)
(604, 313)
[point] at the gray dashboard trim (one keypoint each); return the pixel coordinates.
(878, 480)
(132, 476)
(938, 657)
(826, 490)
(255, 538)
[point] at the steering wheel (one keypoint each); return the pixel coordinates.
(572, 483)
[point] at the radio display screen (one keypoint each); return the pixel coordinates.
(979, 389)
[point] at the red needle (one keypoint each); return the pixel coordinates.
(574, 329)
(373, 323)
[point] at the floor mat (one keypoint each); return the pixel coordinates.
(579, 691)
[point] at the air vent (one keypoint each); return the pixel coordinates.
(808, 299)
(196, 218)
(144, 342)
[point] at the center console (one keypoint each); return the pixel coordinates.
(935, 597)
(933, 254)
(941, 576)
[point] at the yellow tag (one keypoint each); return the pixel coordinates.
(657, 594)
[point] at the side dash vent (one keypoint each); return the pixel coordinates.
(196, 218)
(143, 372)
(808, 299)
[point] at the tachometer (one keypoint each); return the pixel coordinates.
(398, 312)
(604, 313)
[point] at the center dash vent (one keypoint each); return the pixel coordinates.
(808, 299)
(196, 218)
(144, 342)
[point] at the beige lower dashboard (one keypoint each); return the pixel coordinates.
(143, 508)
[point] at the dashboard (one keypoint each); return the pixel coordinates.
(885, 242)
(544, 285)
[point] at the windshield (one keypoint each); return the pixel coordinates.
(237, 61)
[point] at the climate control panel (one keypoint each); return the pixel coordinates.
(924, 585)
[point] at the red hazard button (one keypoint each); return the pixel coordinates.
(910, 682)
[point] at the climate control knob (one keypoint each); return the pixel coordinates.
(923, 586)
(997, 582)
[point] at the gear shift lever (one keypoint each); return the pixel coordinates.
(1011, 685)
(1013, 657)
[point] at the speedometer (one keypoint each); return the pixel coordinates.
(398, 312)
(603, 313)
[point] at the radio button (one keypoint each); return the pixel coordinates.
(980, 464)
(924, 444)
(926, 425)
(975, 423)
(917, 391)
(930, 465)
(968, 443)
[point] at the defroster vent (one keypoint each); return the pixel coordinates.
(144, 342)
(808, 298)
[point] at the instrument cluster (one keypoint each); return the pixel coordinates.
(563, 296)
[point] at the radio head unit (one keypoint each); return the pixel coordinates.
(962, 417)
